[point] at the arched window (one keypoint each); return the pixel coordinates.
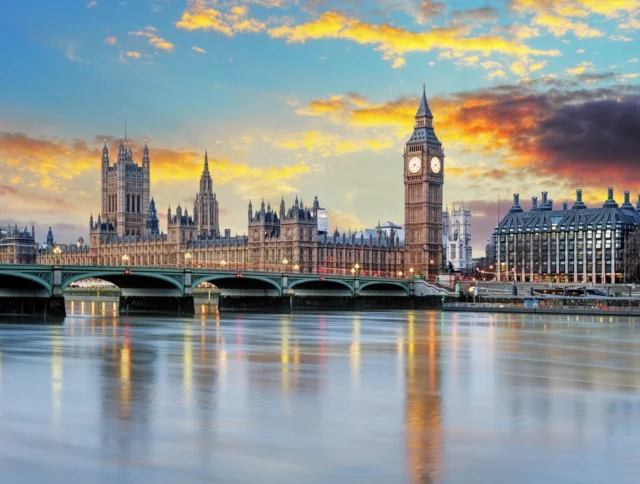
(139, 208)
(128, 206)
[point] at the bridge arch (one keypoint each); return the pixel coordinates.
(133, 280)
(231, 282)
(13, 282)
(385, 286)
(318, 283)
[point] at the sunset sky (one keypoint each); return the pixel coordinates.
(316, 98)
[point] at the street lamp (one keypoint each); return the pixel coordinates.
(187, 258)
(285, 261)
(296, 267)
(399, 273)
(57, 251)
(125, 260)
(411, 271)
(223, 263)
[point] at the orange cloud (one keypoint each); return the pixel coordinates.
(154, 39)
(560, 26)
(111, 40)
(47, 163)
(200, 16)
(580, 68)
(516, 124)
(577, 8)
(395, 42)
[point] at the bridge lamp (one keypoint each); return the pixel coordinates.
(57, 251)
(357, 266)
(223, 263)
(187, 258)
(296, 267)
(399, 273)
(125, 260)
(353, 270)
(411, 270)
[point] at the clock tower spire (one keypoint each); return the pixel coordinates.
(423, 179)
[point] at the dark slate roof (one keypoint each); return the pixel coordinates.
(424, 110)
(424, 134)
(564, 220)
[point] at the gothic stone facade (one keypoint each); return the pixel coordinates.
(579, 245)
(423, 180)
(17, 246)
(125, 190)
(286, 239)
(456, 237)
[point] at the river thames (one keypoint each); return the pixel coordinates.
(380, 397)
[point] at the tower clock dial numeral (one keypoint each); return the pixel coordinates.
(436, 166)
(415, 164)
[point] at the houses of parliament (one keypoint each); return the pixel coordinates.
(284, 238)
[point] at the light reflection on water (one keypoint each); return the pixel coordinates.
(409, 397)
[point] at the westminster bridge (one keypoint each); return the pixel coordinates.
(39, 289)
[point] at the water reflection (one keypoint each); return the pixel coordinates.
(409, 397)
(56, 372)
(423, 401)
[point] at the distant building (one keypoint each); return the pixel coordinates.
(17, 246)
(294, 238)
(49, 241)
(456, 237)
(569, 245)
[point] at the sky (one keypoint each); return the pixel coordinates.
(316, 98)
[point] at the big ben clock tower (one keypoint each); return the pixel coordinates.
(423, 179)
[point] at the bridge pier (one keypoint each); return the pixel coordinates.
(48, 307)
(180, 305)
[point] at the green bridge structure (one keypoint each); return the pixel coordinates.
(39, 289)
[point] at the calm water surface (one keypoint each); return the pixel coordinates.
(406, 397)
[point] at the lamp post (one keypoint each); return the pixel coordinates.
(57, 251)
(223, 263)
(411, 272)
(285, 261)
(296, 267)
(187, 258)
(125, 260)
(399, 274)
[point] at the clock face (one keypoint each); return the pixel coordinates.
(436, 166)
(415, 164)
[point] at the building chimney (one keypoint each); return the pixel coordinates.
(516, 204)
(565, 206)
(610, 203)
(627, 201)
(534, 204)
(579, 204)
